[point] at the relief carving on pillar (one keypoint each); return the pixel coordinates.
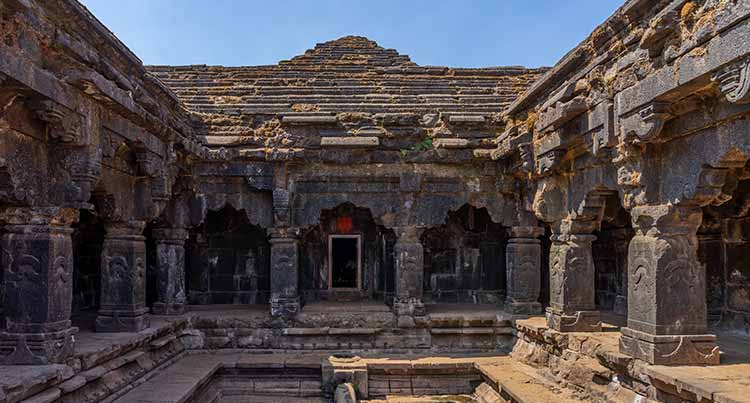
(734, 81)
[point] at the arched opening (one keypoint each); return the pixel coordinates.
(347, 256)
(88, 240)
(610, 254)
(464, 259)
(724, 250)
(227, 260)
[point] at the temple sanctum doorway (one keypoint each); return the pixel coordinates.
(345, 253)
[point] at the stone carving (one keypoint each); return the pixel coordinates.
(572, 299)
(284, 274)
(170, 277)
(548, 162)
(37, 259)
(526, 153)
(523, 267)
(666, 295)
(734, 81)
(281, 213)
(646, 123)
(123, 296)
(62, 124)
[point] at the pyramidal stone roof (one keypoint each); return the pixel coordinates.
(348, 75)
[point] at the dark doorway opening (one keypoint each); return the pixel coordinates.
(345, 262)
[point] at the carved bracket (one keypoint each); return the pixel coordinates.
(734, 81)
(63, 124)
(647, 122)
(549, 161)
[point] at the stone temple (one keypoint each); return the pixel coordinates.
(350, 226)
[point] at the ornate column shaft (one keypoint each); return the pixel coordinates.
(572, 284)
(667, 318)
(123, 295)
(409, 276)
(523, 265)
(285, 299)
(37, 256)
(170, 271)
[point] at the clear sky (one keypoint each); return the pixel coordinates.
(458, 33)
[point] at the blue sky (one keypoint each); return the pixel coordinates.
(468, 33)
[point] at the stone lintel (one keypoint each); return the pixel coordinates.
(349, 142)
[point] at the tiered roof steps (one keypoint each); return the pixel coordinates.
(350, 74)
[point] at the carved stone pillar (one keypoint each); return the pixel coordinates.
(523, 265)
(409, 276)
(667, 289)
(572, 290)
(123, 295)
(170, 271)
(285, 299)
(37, 257)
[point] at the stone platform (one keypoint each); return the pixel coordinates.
(592, 362)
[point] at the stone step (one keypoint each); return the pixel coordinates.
(519, 383)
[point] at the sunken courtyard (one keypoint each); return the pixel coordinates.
(350, 226)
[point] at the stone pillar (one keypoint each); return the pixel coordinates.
(37, 257)
(123, 294)
(170, 271)
(667, 322)
(409, 276)
(285, 301)
(622, 240)
(572, 284)
(523, 267)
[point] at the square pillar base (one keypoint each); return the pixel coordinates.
(162, 308)
(670, 350)
(286, 307)
(524, 308)
(122, 322)
(37, 348)
(580, 321)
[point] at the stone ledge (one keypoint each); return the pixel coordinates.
(349, 142)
